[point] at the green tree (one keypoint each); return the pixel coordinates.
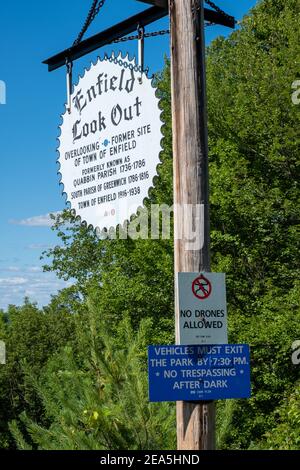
(99, 399)
(32, 336)
(254, 167)
(286, 434)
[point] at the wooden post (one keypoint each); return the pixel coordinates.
(195, 420)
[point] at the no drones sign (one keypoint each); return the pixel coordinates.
(202, 308)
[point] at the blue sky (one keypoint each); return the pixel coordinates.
(31, 31)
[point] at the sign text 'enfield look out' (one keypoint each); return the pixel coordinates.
(110, 143)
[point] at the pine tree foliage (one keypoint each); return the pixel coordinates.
(100, 401)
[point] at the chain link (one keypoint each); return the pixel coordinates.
(125, 64)
(217, 9)
(94, 10)
(98, 4)
(146, 35)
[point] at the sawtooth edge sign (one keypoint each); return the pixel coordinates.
(110, 142)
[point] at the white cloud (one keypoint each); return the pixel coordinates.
(31, 282)
(37, 246)
(10, 269)
(30, 293)
(34, 269)
(36, 221)
(13, 281)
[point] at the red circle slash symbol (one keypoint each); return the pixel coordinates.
(201, 287)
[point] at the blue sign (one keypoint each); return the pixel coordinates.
(199, 372)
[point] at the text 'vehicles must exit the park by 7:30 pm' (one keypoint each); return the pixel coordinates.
(203, 366)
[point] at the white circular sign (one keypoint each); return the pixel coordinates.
(110, 142)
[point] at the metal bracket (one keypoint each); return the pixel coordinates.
(122, 29)
(141, 34)
(106, 37)
(69, 66)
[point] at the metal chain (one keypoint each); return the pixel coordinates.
(125, 64)
(98, 4)
(146, 35)
(94, 10)
(217, 9)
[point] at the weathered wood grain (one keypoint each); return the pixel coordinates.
(195, 421)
